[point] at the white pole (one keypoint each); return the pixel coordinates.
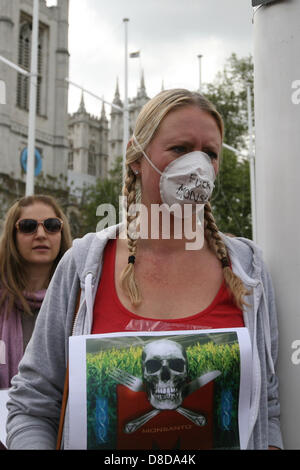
(32, 100)
(125, 111)
(200, 73)
(252, 166)
(232, 149)
(277, 164)
(140, 64)
(93, 95)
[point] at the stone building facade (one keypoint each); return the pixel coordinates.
(88, 148)
(52, 92)
(75, 150)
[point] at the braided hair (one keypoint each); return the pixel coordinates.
(128, 280)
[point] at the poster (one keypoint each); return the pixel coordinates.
(160, 390)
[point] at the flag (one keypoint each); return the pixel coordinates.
(134, 54)
(261, 2)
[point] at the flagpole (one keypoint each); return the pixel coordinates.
(200, 73)
(32, 101)
(125, 110)
(140, 64)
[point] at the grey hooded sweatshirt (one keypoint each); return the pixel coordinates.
(36, 393)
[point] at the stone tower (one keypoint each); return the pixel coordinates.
(52, 90)
(88, 148)
(115, 143)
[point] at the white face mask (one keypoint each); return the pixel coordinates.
(187, 180)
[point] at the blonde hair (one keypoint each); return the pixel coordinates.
(146, 126)
(12, 275)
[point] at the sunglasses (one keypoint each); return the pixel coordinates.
(30, 226)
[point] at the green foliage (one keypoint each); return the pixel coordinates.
(210, 356)
(105, 191)
(231, 201)
(229, 94)
(232, 198)
(100, 384)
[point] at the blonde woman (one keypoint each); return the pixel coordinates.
(35, 236)
(173, 158)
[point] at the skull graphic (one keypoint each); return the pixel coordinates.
(164, 365)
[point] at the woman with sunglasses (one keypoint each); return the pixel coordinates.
(35, 236)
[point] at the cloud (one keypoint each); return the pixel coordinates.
(169, 33)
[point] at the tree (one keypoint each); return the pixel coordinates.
(232, 199)
(106, 191)
(229, 94)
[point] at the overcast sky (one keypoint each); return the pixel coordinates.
(169, 35)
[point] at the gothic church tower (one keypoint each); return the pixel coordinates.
(88, 148)
(115, 142)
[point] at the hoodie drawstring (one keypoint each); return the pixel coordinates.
(89, 301)
(267, 333)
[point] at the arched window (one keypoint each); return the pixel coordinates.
(24, 60)
(92, 160)
(71, 157)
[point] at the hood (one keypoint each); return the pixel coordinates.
(88, 252)
(247, 263)
(246, 258)
(88, 256)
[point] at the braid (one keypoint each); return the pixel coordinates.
(128, 280)
(213, 237)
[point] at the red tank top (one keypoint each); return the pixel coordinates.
(111, 316)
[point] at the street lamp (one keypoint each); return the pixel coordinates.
(32, 101)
